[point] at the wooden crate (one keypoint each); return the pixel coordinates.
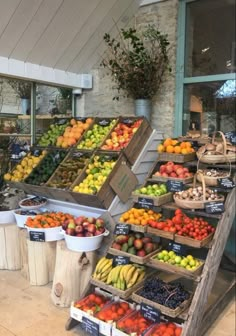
(136, 227)
(104, 197)
(157, 200)
(133, 258)
(193, 242)
(178, 158)
(161, 233)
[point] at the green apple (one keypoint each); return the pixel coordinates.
(178, 260)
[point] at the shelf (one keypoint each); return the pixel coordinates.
(44, 116)
(202, 213)
(16, 135)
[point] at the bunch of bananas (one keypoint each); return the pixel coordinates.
(121, 276)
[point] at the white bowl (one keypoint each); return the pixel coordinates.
(7, 217)
(31, 207)
(21, 219)
(51, 234)
(84, 244)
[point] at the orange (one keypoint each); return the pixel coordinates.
(174, 142)
(188, 144)
(183, 145)
(167, 142)
(170, 149)
(177, 149)
(184, 151)
(73, 122)
(160, 148)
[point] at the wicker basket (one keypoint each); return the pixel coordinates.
(185, 204)
(217, 158)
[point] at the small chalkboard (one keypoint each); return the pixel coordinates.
(104, 122)
(177, 248)
(226, 182)
(146, 203)
(120, 260)
(37, 236)
(61, 121)
(150, 312)
(77, 154)
(173, 185)
(83, 119)
(122, 229)
(214, 207)
(90, 327)
(128, 121)
(231, 136)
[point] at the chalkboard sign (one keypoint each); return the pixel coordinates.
(173, 185)
(226, 182)
(104, 122)
(146, 203)
(77, 154)
(120, 260)
(231, 136)
(214, 207)
(150, 313)
(128, 121)
(122, 229)
(37, 236)
(61, 121)
(90, 327)
(83, 119)
(177, 248)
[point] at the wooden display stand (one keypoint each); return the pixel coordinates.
(10, 257)
(72, 274)
(41, 258)
(24, 253)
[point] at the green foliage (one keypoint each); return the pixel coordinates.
(137, 61)
(21, 88)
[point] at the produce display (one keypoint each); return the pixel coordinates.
(213, 173)
(174, 146)
(92, 303)
(121, 277)
(181, 224)
(139, 216)
(165, 329)
(165, 294)
(48, 220)
(94, 137)
(152, 190)
(196, 194)
(114, 311)
(134, 324)
(121, 135)
(68, 171)
(170, 169)
(134, 243)
(42, 172)
(50, 137)
(32, 202)
(73, 132)
(82, 226)
(96, 174)
(216, 149)
(170, 257)
(25, 167)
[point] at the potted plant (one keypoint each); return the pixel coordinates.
(23, 91)
(137, 62)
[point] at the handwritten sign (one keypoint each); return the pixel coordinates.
(150, 312)
(104, 122)
(120, 260)
(37, 236)
(146, 203)
(122, 229)
(173, 185)
(226, 182)
(177, 248)
(214, 207)
(90, 327)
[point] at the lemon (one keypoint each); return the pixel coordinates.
(7, 176)
(36, 160)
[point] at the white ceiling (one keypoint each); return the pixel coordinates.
(55, 40)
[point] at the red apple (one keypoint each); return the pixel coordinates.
(171, 163)
(138, 244)
(79, 229)
(99, 231)
(169, 169)
(149, 247)
(164, 175)
(91, 220)
(99, 223)
(88, 234)
(177, 166)
(85, 225)
(141, 253)
(116, 246)
(179, 171)
(162, 168)
(157, 173)
(70, 232)
(79, 220)
(91, 228)
(79, 235)
(71, 224)
(173, 174)
(186, 170)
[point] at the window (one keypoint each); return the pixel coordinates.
(206, 66)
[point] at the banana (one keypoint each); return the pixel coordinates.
(122, 285)
(106, 266)
(110, 276)
(116, 273)
(103, 278)
(133, 279)
(97, 269)
(124, 271)
(141, 276)
(129, 274)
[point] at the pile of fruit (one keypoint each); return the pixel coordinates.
(173, 170)
(165, 329)
(134, 243)
(92, 303)
(83, 226)
(96, 174)
(42, 172)
(134, 324)
(25, 167)
(216, 149)
(50, 137)
(165, 294)
(139, 216)
(114, 311)
(67, 172)
(174, 146)
(48, 220)
(170, 257)
(213, 173)
(196, 194)
(73, 132)
(94, 137)
(196, 228)
(121, 135)
(154, 190)
(121, 276)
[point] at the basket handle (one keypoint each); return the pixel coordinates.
(223, 138)
(203, 184)
(227, 159)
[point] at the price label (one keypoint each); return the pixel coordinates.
(231, 136)
(37, 236)
(90, 327)
(122, 229)
(226, 182)
(174, 185)
(77, 154)
(120, 260)
(150, 312)
(61, 121)
(83, 119)
(104, 122)
(146, 203)
(128, 121)
(177, 248)
(214, 207)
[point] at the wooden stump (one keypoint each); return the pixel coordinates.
(41, 258)
(72, 275)
(24, 253)
(10, 258)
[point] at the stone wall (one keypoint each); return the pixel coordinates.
(99, 101)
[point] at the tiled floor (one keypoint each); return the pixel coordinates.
(28, 311)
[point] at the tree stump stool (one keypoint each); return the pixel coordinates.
(41, 259)
(72, 274)
(24, 253)
(10, 257)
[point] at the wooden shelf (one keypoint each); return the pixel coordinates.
(44, 116)
(202, 213)
(16, 135)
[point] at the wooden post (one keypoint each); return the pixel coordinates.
(41, 258)
(72, 275)
(10, 258)
(24, 253)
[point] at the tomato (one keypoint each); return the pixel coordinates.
(172, 229)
